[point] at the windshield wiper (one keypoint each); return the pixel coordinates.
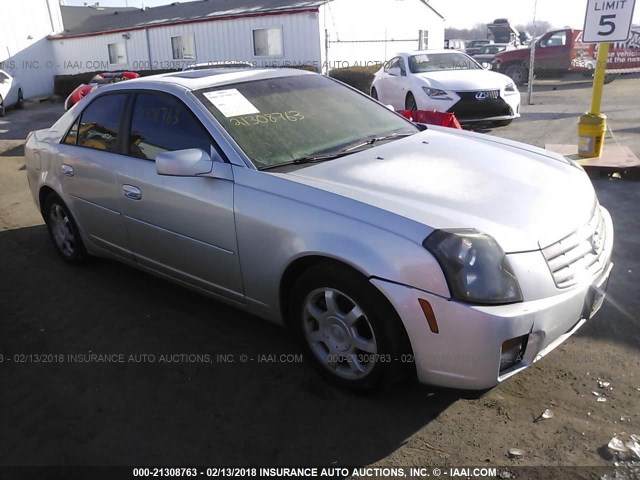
(371, 141)
(340, 153)
(307, 159)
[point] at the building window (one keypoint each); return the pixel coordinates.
(267, 42)
(183, 48)
(423, 40)
(117, 53)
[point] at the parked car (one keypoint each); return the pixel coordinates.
(98, 80)
(487, 53)
(10, 92)
(474, 46)
(218, 64)
(388, 248)
(455, 44)
(562, 51)
(448, 82)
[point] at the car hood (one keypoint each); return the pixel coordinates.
(464, 80)
(525, 197)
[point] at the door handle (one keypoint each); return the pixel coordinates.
(132, 192)
(67, 170)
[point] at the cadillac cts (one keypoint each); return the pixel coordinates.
(391, 249)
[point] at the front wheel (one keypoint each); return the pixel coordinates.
(410, 103)
(374, 94)
(2, 110)
(63, 231)
(20, 103)
(349, 331)
(518, 74)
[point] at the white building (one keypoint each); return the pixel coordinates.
(315, 33)
(25, 51)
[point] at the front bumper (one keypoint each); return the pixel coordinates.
(470, 110)
(466, 352)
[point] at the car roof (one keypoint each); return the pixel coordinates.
(219, 64)
(212, 77)
(427, 52)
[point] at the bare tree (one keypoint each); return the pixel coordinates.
(541, 27)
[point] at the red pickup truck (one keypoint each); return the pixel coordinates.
(562, 51)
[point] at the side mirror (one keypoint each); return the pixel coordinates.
(193, 162)
(394, 72)
(184, 163)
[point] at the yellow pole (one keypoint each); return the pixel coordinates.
(598, 80)
(593, 124)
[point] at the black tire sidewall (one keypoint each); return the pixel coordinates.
(520, 70)
(391, 338)
(413, 99)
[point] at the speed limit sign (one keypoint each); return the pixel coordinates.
(608, 20)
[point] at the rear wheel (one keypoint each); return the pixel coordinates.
(410, 103)
(20, 99)
(374, 94)
(518, 74)
(610, 77)
(2, 111)
(63, 231)
(349, 331)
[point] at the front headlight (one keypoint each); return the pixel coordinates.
(436, 94)
(475, 266)
(511, 88)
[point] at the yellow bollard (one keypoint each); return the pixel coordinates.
(592, 125)
(591, 134)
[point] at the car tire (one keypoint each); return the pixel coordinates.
(518, 74)
(349, 331)
(2, 110)
(63, 231)
(20, 102)
(410, 103)
(374, 94)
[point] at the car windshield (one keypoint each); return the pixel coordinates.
(492, 49)
(284, 120)
(433, 62)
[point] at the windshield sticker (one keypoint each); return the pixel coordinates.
(231, 102)
(290, 116)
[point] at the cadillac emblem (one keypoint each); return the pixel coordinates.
(596, 243)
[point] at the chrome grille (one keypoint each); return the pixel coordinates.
(485, 94)
(580, 255)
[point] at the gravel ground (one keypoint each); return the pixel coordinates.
(186, 410)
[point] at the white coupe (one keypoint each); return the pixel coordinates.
(10, 92)
(447, 81)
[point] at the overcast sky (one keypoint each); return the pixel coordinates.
(460, 13)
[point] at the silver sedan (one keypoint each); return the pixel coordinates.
(391, 249)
